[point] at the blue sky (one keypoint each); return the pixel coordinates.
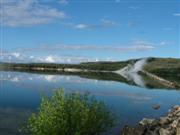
(73, 31)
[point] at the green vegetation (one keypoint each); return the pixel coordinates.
(70, 114)
(159, 66)
(100, 66)
(107, 66)
(109, 76)
(167, 68)
(151, 83)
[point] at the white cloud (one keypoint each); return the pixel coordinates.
(137, 45)
(63, 2)
(31, 57)
(165, 43)
(17, 55)
(49, 59)
(11, 56)
(82, 26)
(176, 14)
(64, 59)
(52, 53)
(104, 23)
(27, 12)
(138, 48)
(25, 58)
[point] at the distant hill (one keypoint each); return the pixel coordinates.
(158, 66)
(100, 66)
(168, 68)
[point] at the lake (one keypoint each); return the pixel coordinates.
(20, 95)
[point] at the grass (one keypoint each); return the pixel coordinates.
(168, 68)
(100, 66)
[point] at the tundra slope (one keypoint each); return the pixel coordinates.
(134, 72)
(167, 68)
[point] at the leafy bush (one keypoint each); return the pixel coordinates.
(70, 114)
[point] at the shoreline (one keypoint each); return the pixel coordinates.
(166, 125)
(165, 83)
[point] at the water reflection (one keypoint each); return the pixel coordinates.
(11, 119)
(131, 78)
(20, 79)
(16, 77)
(22, 91)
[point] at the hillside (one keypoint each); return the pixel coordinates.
(164, 67)
(98, 66)
(168, 68)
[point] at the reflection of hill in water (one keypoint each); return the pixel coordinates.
(152, 84)
(174, 78)
(135, 79)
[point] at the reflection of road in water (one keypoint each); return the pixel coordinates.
(130, 72)
(136, 78)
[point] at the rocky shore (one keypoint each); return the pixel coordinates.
(167, 125)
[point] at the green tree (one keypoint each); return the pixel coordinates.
(70, 114)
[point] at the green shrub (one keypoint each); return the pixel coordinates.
(70, 114)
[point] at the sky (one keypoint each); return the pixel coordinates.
(74, 31)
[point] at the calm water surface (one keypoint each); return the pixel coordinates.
(20, 95)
